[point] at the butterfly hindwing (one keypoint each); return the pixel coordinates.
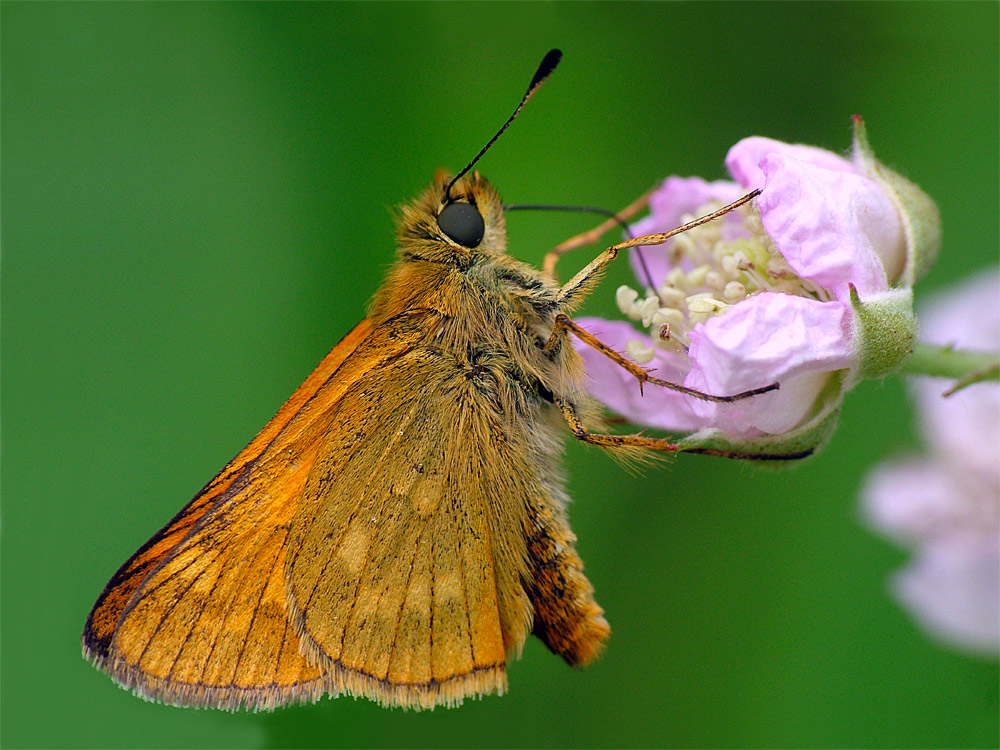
(408, 560)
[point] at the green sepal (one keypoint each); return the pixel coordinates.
(920, 215)
(885, 333)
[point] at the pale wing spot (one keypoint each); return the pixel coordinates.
(426, 495)
(411, 651)
(354, 548)
(448, 586)
(451, 647)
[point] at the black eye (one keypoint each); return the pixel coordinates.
(463, 223)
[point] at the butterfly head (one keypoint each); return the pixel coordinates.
(459, 219)
(454, 225)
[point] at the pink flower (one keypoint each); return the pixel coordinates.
(946, 503)
(763, 295)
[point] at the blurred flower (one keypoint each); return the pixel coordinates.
(945, 503)
(809, 287)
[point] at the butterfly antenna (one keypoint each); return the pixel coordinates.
(548, 64)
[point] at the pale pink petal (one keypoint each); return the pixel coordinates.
(964, 427)
(768, 338)
(619, 390)
(967, 316)
(675, 198)
(743, 160)
(921, 498)
(953, 588)
(947, 501)
(832, 227)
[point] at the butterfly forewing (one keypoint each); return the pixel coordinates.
(357, 545)
(103, 619)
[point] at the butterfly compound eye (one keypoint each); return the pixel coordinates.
(463, 223)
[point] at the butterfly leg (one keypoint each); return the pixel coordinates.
(569, 412)
(565, 325)
(581, 285)
(574, 291)
(590, 237)
(664, 444)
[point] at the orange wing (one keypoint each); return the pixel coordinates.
(407, 558)
(384, 535)
(197, 615)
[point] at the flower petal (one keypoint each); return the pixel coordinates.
(946, 501)
(676, 197)
(833, 227)
(919, 499)
(966, 316)
(743, 160)
(964, 427)
(953, 588)
(768, 338)
(615, 387)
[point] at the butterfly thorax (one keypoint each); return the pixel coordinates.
(477, 303)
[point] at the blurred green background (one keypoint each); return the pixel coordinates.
(197, 205)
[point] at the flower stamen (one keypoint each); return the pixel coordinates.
(715, 266)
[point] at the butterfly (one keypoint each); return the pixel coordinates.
(399, 527)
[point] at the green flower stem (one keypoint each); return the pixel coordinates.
(962, 365)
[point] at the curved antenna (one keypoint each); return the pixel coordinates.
(545, 68)
(581, 209)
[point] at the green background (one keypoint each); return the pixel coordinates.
(197, 205)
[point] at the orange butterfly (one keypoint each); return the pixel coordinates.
(399, 527)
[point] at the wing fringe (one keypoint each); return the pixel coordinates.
(415, 696)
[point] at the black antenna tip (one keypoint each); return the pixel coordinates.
(545, 68)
